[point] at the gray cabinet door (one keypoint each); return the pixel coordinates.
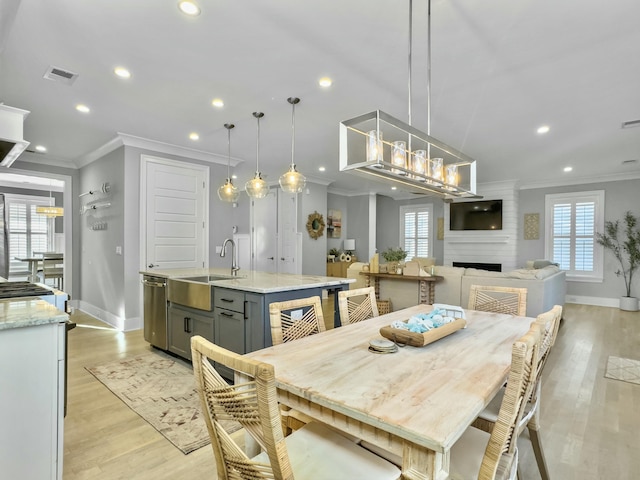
(184, 323)
(230, 334)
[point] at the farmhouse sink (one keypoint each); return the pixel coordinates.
(195, 292)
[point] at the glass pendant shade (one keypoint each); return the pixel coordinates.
(292, 181)
(399, 156)
(452, 174)
(374, 146)
(436, 169)
(257, 187)
(420, 163)
(228, 192)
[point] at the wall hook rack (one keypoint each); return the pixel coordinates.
(104, 188)
(95, 206)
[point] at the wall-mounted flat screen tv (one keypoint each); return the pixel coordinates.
(480, 215)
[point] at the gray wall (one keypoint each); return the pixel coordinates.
(388, 233)
(314, 251)
(620, 196)
(58, 201)
(358, 226)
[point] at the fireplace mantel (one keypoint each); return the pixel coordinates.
(477, 239)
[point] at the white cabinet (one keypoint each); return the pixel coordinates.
(32, 401)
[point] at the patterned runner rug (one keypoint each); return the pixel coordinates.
(161, 389)
(624, 369)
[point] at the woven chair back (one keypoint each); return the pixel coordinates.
(295, 319)
(357, 305)
(252, 402)
(520, 383)
(498, 299)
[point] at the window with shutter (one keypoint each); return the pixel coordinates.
(415, 230)
(572, 220)
(28, 231)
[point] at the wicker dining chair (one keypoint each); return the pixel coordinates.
(52, 269)
(357, 305)
(498, 299)
(548, 323)
(291, 320)
(312, 452)
(295, 319)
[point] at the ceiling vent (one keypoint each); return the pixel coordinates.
(631, 123)
(59, 75)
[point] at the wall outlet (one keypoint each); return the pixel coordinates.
(218, 249)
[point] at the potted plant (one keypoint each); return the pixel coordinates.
(333, 253)
(393, 256)
(625, 246)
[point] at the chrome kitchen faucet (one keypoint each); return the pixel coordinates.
(234, 255)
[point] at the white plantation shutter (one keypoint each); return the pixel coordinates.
(415, 230)
(572, 221)
(28, 231)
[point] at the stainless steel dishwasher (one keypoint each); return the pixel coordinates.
(155, 311)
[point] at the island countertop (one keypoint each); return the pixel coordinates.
(253, 281)
(28, 312)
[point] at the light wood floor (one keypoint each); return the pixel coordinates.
(590, 424)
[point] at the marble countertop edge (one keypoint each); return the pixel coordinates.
(28, 312)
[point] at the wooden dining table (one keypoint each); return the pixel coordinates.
(414, 403)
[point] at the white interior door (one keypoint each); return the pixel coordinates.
(287, 232)
(264, 231)
(176, 195)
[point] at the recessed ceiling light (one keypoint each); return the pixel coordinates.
(568, 169)
(189, 8)
(543, 129)
(234, 176)
(41, 148)
(325, 82)
(394, 188)
(321, 169)
(82, 108)
(217, 102)
(122, 72)
(194, 136)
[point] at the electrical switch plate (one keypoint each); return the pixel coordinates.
(118, 250)
(218, 249)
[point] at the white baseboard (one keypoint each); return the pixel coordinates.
(597, 301)
(122, 324)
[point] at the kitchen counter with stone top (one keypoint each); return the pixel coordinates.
(253, 281)
(28, 312)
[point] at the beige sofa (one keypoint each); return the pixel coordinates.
(546, 286)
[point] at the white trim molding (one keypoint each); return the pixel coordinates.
(119, 323)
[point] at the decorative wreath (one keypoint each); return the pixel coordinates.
(315, 225)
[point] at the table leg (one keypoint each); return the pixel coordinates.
(420, 463)
(34, 270)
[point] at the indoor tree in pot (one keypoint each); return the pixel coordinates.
(625, 246)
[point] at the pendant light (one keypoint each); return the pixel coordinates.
(51, 211)
(227, 192)
(292, 181)
(257, 187)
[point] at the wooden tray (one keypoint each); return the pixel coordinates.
(421, 339)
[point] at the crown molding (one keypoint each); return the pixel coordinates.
(614, 177)
(124, 139)
(45, 159)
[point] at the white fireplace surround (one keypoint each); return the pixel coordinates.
(475, 246)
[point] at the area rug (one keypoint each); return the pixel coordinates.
(624, 369)
(161, 389)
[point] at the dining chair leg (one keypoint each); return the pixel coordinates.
(537, 451)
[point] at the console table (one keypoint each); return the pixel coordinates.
(427, 284)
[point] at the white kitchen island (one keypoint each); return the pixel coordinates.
(32, 352)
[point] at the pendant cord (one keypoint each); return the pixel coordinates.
(258, 149)
(429, 67)
(229, 154)
(410, 49)
(293, 131)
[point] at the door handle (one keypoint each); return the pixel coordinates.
(186, 326)
(282, 258)
(151, 265)
(269, 258)
(230, 315)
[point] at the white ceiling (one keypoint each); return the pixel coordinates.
(500, 69)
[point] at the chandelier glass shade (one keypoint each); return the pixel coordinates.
(257, 187)
(228, 192)
(292, 181)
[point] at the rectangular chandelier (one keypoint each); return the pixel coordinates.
(50, 211)
(392, 151)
